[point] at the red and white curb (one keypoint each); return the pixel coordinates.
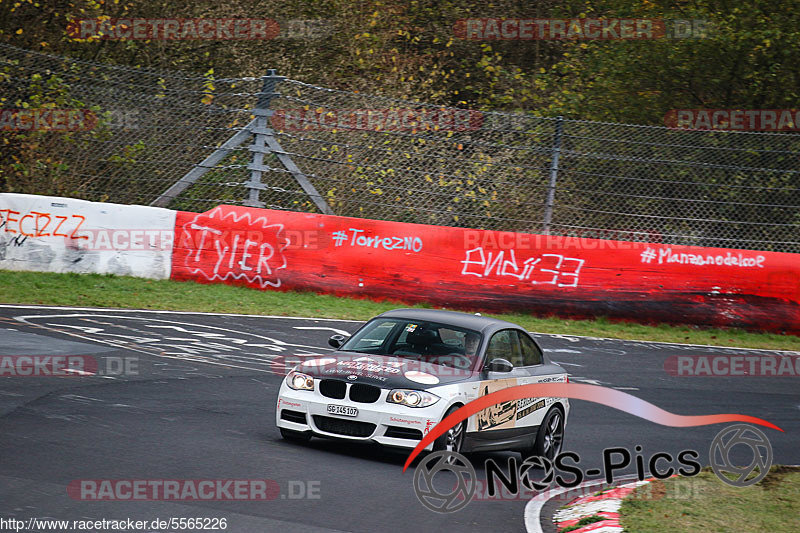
(605, 504)
(533, 509)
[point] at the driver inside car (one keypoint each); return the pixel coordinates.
(471, 342)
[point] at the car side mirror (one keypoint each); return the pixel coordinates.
(336, 340)
(499, 365)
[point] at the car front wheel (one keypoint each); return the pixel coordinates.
(453, 438)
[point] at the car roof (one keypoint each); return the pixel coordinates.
(453, 318)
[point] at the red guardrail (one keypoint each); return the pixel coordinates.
(490, 270)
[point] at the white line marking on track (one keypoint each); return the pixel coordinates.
(577, 338)
(118, 344)
(321, 328)
(587, 380)
(158, 311)
(571, 338)
(79, 372)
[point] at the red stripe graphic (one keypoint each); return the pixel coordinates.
(577, 391)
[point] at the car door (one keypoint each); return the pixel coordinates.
(503, 344)
(531, 411)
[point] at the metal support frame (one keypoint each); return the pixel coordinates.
(201, 168)
(264, 143)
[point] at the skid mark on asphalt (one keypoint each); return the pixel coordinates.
(202, 343)
(80, 399)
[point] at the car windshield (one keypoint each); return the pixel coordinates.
(419, 340)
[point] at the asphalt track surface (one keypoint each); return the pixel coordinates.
(198, 402)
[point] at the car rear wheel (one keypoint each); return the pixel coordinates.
(550, 436)
(295, 436)
(453, 437)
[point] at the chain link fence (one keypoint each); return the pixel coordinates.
(284, 144)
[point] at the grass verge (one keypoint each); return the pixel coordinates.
(704, 503)
(94, 290)
(585, 521)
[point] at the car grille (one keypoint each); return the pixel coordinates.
(333, 388)
(359, 392)
(364, 393)
(293, 416)
(339, 426)
(398, 432)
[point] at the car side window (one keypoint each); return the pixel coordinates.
(505, 345)
(531, 353)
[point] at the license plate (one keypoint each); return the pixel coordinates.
(342, 410)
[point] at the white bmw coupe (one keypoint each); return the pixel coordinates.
(407, 369)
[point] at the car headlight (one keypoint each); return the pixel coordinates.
(412, 398)
(299, 381)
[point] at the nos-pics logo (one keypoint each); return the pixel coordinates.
(447, 497)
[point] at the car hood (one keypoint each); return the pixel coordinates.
(384, 371)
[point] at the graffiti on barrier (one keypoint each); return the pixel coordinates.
(544, 269)
(38, 224)
(412, 244)
(217, 254)
(667, 256)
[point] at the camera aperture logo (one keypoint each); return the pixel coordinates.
(740, 434)
(720, 448)
(518, 477)
(451, 501)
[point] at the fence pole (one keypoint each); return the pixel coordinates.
(259, 148)
(551, 188)
(266, 143)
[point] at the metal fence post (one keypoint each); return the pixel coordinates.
(266, 143)
(551, 188)
(259, 147)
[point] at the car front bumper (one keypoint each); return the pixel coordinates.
(382, 422)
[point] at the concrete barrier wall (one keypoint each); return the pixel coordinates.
(466, 268)
(453, 267)
(51, 234)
